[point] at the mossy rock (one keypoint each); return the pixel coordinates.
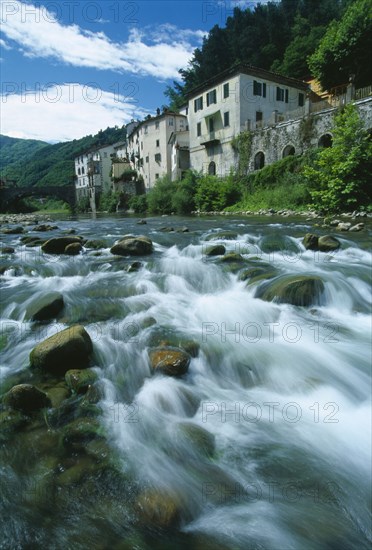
(79, 380)
(310, 241)
(158, 508)
(134, 267)
(96, 244)
(216, 250)
(57, 395)
(70, 348)
(83, 467)
(45, 308)
(79, 432)
(169, 360)
(297, 290)
(95, 393)
(73, 249)
(32, 241)
(11, 422)
(202, 441)
(26, 398)
(7, 250)
(223, 236)
(133, 246)
(327, 243)
(232, 257)
(255, 274)
(59, 244)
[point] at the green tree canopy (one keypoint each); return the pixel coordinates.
(346, 48)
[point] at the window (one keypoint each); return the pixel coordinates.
(82, 170)
(147, 159)
(157, 125)
(158, 143)
(79, 172)
(211, 125)
(146, 129)
(170, 122)
(141, 145)
(259, 88)
(281, 94)
(226, 119)
(226, 91)
(259, 118)
(301, 100)
(158, 157)
(187, 111)
(198, 104)
(211, 97)
(198, 129)
(156, 176)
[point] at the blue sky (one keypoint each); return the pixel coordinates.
(70, 67)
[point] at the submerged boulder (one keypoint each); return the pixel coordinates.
(79, 380)
(297, 290)
(57, 245)
(169, 360)
(26, 398)
(222, 235)
(310, 241)
(46, 307)
(133, 246)
(158, 509)
(70, 348)
(201, 441)
(216, 250)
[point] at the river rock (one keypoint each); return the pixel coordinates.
(141, 222)
(79, 380)
(256, 274)
(32, 241)
(327, 243)
(158, 509)
(26, 398)
(45, 308)
(357, 227)
(169, 360)
(76, 434)
(7, 250)
(13, 230)
(134, 267)
(232, 257)
(277, 243)
(73, 249)
(58, 245)
(310, 241)
(222, 235)
(133, 246)
(11, 421)
(216, 250)
(70, 348)
(202, 441)
(343, 226)
(96, 244)
(298, 290)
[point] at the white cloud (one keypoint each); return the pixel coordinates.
(39, 34)
(4, 45)
(64, 112)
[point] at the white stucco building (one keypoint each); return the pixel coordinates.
(93, 172)
(240, 98)
(149, 146)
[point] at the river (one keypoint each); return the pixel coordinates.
(281, 392)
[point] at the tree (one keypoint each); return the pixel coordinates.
(340, 176)
(345, 48)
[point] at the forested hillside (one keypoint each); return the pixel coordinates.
(282, 37)
(54, 164)
(14, 149)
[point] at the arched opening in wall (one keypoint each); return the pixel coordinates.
(212, 168)
(259, 160)
(325, 140)
(288, 151)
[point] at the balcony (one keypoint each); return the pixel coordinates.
(209, 139)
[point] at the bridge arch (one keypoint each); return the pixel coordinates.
(288, 150)
(325, 140)
(14, 194)
(259, 160)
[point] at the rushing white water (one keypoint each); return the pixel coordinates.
(284, 390)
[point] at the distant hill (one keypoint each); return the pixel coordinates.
(14, 149)
(51, 164)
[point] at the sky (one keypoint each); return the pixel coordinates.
(70, 68)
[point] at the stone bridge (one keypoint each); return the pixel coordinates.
(293, 137)
(11, 195)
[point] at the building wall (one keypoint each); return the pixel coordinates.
(245, 109)
(148, 146)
